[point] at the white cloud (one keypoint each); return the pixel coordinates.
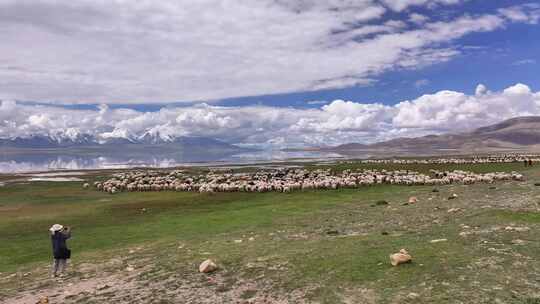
(97, 51)
(418, 18)
(524, 62)
(337, 122)
(528, 13)
(421, 83)
(399, 5)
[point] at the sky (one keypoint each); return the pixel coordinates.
(267, 73)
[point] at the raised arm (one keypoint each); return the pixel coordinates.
(67, 232)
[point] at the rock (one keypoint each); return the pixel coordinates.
(413, 295)
(413, 200)
(251, 239)
(207, 266)
(453, 196)
(517, 229)
(438, 241)
(43, 300)
(381, 203)
(130, 268)
(435, 190)
(332, 232)
(400, 258)
(453, 210)
(238, 241)
(384, 233)
(518, 242)
(102, 286)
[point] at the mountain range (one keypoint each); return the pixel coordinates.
(147, 141)
(516, 134)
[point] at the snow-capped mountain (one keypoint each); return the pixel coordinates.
(85, 140)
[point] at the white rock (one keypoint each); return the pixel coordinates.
(413, 295)
(399, 258)
(438, 240)
(207, 266)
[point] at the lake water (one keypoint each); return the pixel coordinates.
(48, 161)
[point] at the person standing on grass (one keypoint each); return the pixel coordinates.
(59, 235)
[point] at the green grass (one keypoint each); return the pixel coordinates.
(291, 245)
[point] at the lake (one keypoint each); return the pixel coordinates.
(47, 160)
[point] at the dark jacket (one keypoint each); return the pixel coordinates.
(60, 250)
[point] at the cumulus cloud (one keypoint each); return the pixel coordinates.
(337, 122)
(399, 5)
(96, 51)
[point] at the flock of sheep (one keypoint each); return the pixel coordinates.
(286, 180)
(505, 158)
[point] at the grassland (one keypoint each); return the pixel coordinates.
(310, 246)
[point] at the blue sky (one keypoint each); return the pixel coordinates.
(268, 72)
(496, 59)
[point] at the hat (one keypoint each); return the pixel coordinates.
(56, 227)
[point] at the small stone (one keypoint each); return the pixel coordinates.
(453, 196)
(43, 300)
(453, 210)
(518, 242)
(413, 295)
(207, 266)
(130, 268)
(102, 286)
(251, 239)
(332, 232)
(517, 229)
(438, 241)
(238, 241)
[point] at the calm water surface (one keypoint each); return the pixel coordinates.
(49, 161)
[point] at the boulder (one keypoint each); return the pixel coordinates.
(207, 266)
(400, 258)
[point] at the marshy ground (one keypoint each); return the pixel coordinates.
(327, 246)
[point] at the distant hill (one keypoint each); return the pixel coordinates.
(522, 133)
(89, 142)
